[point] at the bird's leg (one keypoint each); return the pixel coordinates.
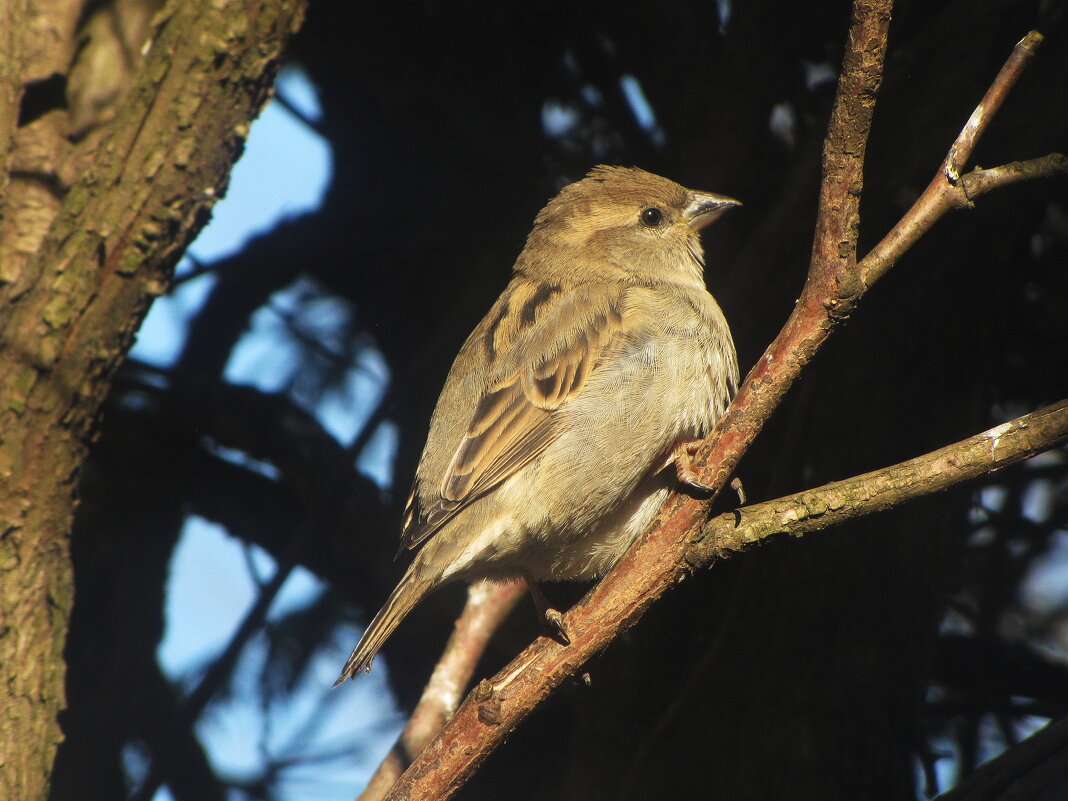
(551, 619)
(682, 457)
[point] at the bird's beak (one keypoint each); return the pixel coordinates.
(706, 208)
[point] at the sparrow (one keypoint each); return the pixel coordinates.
(600, 366)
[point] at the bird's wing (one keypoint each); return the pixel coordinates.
(516, 418)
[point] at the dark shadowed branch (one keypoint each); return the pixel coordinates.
(1033, 769)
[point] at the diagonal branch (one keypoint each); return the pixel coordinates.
(835, 283)
(493, 704)
(961, 149)
(496, 707)
(488, 604)
(948, 189)
(880, 490)
(1028, 770)
(492, 707)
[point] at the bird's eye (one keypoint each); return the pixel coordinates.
(652, 216)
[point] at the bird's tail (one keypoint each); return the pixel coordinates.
(407, 594)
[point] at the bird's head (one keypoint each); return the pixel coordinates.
(628, 220)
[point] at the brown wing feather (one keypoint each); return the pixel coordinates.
(512, 424)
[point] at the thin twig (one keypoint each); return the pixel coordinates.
(947, 189)
(961, 149)
(880, 490)
(980, 181)
(313, 125)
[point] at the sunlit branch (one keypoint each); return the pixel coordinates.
(948, 189)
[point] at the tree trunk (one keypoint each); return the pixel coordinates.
(91, 226)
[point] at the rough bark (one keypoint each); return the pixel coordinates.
(90, 232)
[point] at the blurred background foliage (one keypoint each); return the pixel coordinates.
(885, 660)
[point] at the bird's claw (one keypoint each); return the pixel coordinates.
(554, 626)
(683, 458)
(552, 621)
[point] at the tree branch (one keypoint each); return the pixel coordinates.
(496, 707)
(948, 190)
(488, 604)
(502, 702)
(961, 149)
(980, 181)
(881, 490)
(834, 285)
(1027, 770)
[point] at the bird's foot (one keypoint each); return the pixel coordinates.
(683, 458)
(554, 625)
(683, 455)
(552, 621)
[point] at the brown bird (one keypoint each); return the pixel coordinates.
(604, 358)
